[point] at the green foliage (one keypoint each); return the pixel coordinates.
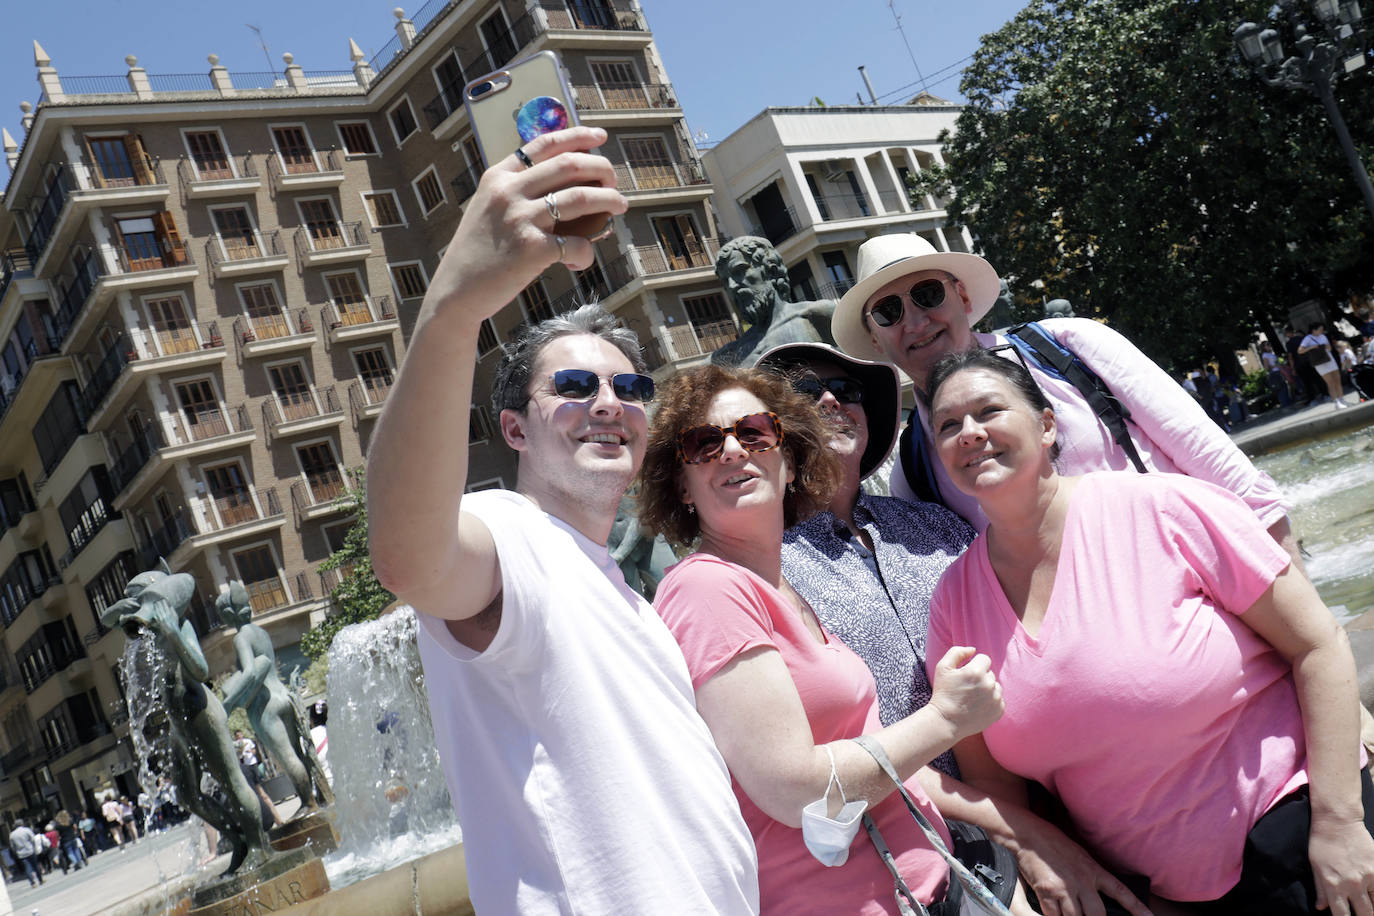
(237, 717)
(1123, 153)
(358, 596)
(1255, 384)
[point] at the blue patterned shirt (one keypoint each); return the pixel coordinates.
(879, 606)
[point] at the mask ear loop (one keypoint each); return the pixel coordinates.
(834, 777)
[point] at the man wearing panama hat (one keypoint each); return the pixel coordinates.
(913, 304)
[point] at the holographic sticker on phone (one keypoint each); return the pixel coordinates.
(540, 115)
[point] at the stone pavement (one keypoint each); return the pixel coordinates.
(1275, 429)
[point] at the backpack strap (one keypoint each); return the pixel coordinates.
(1050, 354)
(914, 453)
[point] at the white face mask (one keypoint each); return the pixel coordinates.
(828, 838)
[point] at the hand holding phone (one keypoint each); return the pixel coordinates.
(510, 107)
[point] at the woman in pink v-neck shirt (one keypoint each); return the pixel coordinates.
(1167, 675)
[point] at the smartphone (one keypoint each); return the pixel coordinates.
(512, 106)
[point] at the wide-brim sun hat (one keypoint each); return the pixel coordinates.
(882, 392)
(887, 257)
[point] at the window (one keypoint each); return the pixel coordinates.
(119, 162)
(536, 302)
(402, 120)
(264, 311)
(60, 424)
(346, 292)
(149, 242)
(448, 73)
(201, 410)
(171, 326)
(486, 338)
(383, 209)
(257, 570)
(496, 36)
(373, 369)
(297, 156)
(321, 224)
(228, 488)
(619, 84)
(680, 242)
(292, 388)
(710, 319)
(207, 155)
(356, 137)
(86, 509)
(108, 585)
(481, 427)
(322, 472)
(409, 279)
(649, 162)
(236, 234)
(429, 192)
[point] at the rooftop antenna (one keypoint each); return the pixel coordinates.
(892, 5)
(262, 42)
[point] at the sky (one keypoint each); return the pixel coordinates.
(728, 59)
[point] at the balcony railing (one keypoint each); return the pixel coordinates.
(14, 263)
(74, 295)
(601, 15)
(193, 175)
(632, 176)
(119, 355)
(364, 396)
(835, 289)
(449, 100)
(625, 96)
(221, 249)
(15, 759)
(166, 539)
(503, 48)
(203, 616)
(315, 240)
(271, 325)
(300, 586)
(305, 404)
(95, 517)
(198, 424)
(368, 310)
(322, 490)
(654, 259)
(777, 226)
(157, 256)
(241, 506)
(46, 213)
(465, 185)
(843, 206)
(266, 594)
(323, 164)
(175, 339)
(145, 172)
(134, 457)
(687, 341)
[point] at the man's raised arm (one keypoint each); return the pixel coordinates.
(423, 550)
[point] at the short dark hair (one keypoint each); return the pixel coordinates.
(683, 404)
(1311, 328)
(510, 389)
(1011, 370)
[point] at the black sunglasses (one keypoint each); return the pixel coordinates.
(924, 294)
(583, 385)
(846, 390)
(755, 432)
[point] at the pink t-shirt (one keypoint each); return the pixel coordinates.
(1164, 723)
(717, 610)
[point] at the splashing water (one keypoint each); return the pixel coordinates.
(391, 802)
(1329, 487)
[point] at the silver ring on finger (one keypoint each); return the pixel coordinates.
(552, 203)
(562, 247)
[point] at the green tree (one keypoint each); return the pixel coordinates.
(1120, 151)
(358, 596)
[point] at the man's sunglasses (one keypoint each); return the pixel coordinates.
(925, 294)
(846, 390)
(756, 432)
(583, 385)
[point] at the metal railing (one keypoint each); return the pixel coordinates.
(503, 48)
(13, 264)
(325, 490)
(180, 82)
(692, 340)
(143, 172)
(363, 395)
(323, 162)
(780, 225)
(843, 206)
(174, 339)
(96, 516)
(164, 253)
(44, 217)
(625, 96)
(75, 293)
(167, 538)
(189, 425)
(134, 457)
(119, 355)
(601, 15)
(835, 289)
(259, 79)
(368, 310)
(305, 404)
(640, 177)
(239, 507)
(96, 85)
(190, 173)
(653, 259)
(220, 249)
(449, 100)
(271, 325)
(314, 240)
(421, 19)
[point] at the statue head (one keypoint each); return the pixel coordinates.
(753, 274)
(1059, 308)
(233, 605)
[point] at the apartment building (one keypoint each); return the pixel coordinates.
(819, 182)
(207, 283)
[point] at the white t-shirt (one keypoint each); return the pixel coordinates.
(1169, 428)
(584, 778)
(1320, 359)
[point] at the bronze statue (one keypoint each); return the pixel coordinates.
(155, 602)
(271, 706)
(755, 277)
(642, 559)
(1059, 308)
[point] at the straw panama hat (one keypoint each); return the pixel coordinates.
(887, 257)
(882, 402)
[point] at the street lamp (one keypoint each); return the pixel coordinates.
(1314, 64)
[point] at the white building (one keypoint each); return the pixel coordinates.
(818, 182)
